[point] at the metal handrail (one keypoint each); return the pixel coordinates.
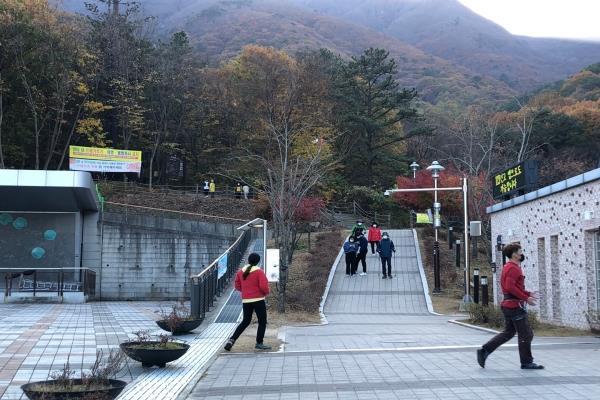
(207, 284)
(214, 263)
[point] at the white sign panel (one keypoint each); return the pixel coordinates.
(80, 164)
(272, 267)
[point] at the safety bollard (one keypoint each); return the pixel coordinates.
(484, 291)
(457, 254)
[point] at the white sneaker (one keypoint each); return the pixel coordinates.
(363, 273)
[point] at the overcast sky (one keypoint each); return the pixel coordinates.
(576, 19)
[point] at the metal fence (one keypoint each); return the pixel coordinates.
(49, 280)
(213, 280)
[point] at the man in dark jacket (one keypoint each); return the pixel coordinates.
(386, 248)
(363, 249)
(350, 250)
(514, 308)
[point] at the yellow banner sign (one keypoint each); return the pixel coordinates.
(103, 154)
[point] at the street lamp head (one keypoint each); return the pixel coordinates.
(435, 169)
(386, 193)
(414, 166)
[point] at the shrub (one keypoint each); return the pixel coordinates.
(493, 316)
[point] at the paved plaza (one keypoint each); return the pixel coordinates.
(382, 343)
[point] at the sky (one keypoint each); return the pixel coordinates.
(572, 19)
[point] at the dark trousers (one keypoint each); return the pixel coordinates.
(515, 321)
(206, 192)
(373, 244)
(260, 308)
(350, 259)
(361, 257)
(388, 261)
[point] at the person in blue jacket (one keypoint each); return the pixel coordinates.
(386, 248)
(350, 250)
(361, 256)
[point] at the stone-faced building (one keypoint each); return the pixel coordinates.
(558, 227)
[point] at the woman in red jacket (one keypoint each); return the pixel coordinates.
(253, 283)
(514, 308)
(374, 236)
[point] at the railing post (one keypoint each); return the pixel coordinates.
(476, 285)
(34, 282)
(194, 298)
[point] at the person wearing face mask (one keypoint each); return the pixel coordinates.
(514, 308)
(361, 256)
(350, 250)
(385, 249)
(374, 236)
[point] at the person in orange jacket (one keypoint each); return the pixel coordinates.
(253, 283)
(374, 236)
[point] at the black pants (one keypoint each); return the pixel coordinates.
(388, 261)
(350, 259)
(515, 321)
(260, 308)
(206, 192)
(373, 244)
(361, 257)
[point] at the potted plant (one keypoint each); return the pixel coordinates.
(153, 352)
(178, 320)
(93, 384)
(593, 318)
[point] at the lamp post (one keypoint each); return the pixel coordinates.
(414, 166)
(464, 189)
(435, 169)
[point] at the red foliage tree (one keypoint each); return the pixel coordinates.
(309, 209)
(451, 201)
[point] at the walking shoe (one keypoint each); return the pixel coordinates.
(532, 366)
(384, 277)
(262, 346)
(390, 276)
(229, 344)
(481, 356)
(363, 273)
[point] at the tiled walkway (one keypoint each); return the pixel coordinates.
(381, 343)
(36, 339)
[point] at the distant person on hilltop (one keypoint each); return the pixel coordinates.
(386, 248)
(212, 188)
(246, 190)
(206, 188)
(374, 236)
(238, 191)
(514, 308)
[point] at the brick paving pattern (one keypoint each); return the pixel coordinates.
(381, 343)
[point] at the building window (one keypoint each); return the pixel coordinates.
(597, 257)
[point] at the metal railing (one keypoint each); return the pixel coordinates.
(213, 280)
(353, 208)
(86, 282)
(191, 190)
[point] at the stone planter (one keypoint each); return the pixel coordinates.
(153, 352)
(185, 326)
(53, 390)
